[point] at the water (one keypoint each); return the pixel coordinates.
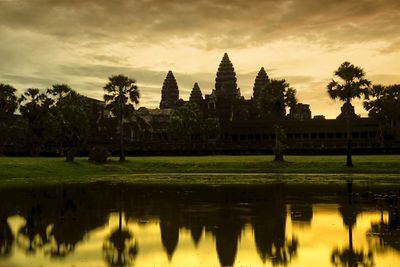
(123, 225)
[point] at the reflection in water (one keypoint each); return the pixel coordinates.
(120, 248)
(389, 231)
(32, 236)
(269, 233)
(6, 238)
(348, 256)
(201, 226)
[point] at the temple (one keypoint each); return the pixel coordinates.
(227, 123)
(240, 128)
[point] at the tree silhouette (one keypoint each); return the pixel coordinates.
(121, 95)
(120, 248)
(34, 107)
(384, 105)
(351, 84)
(185, 122)
(274, 98)
(272, 101)
(8, 105)
(58, 92)
(73, 114)
(6, 238)
(348, 256)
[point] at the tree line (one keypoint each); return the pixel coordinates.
(65, 116)
(62, 115)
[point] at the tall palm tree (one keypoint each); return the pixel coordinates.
(351, 84)
(34, 108)
(8, 105)
(58, 92)
(121, 95)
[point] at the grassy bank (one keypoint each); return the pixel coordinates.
(202, 170)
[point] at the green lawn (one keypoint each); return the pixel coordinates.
(202, 170)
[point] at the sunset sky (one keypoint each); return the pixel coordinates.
(83, 42)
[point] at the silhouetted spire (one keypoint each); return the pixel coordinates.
(195, 232)
(169, 236)
(196, 96)
(225, 82)
(261, 81)
(169, 92)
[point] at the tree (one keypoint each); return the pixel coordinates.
(185, 121)
(121, 96)
(383, 104)
(274, 98)
(34, 107)
(58, 92)
(351, 84)
(8, 105)
(272, 102)
(73, 112)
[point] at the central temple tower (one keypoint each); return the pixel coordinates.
(225, 82)
(169, 92)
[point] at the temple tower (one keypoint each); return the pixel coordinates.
(260, 82)
(169, 92)
(196, 96)
(225, 82)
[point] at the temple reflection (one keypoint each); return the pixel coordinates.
(54, 222)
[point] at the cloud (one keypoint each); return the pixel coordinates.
(207, 24)
(82, 43)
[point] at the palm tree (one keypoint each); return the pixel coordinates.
(34, 108)
(351, 84)
(58, 92)
(8, 105)
(73, 113)
(120, 97)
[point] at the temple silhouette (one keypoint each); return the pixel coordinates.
(234, 124)
(226, 122)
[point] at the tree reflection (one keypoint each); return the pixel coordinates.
(388, 232)
(63, 237)
(348, 256)
(270, 232)
(32, 236)
(120, 248)
(6, 239)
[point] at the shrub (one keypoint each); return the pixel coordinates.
(98, 154)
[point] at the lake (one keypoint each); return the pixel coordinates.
(265, 225)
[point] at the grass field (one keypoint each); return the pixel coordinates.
(212, 170)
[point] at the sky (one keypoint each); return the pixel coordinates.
(83, 42)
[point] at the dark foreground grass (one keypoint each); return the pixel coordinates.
(212, 170)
